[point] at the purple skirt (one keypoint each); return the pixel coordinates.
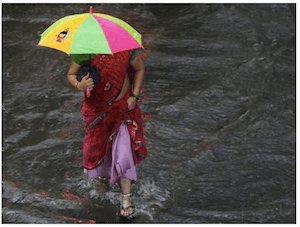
(119, 161)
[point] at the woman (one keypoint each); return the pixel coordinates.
(114, 141)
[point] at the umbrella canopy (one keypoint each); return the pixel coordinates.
(91, 33)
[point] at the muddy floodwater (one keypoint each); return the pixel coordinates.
(219, 111)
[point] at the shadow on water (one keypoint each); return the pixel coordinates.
(219, 113)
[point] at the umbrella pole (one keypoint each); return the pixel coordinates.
(89, 63)
(88, 92)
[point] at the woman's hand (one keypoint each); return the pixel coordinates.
(86, 83)
(131, 101)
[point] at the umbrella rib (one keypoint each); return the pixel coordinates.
(88, 39)
(127, 27)
(103, 33)
(112, 30)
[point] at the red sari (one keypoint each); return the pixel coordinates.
(99, 136)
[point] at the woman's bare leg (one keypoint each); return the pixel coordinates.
(125, 185)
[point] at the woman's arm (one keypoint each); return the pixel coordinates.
(139, 67)
(72, 74)
(85, 83)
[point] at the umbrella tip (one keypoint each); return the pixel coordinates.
(91, 9)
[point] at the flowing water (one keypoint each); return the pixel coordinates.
(219, 113)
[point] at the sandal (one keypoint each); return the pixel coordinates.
(125, 208)
(103, 180)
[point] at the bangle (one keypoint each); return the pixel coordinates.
(76, 85)
(136, 96)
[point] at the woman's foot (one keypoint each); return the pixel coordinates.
(103, 184)
(127, 206)
(103, 180)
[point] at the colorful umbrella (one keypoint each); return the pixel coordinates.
(91, 33)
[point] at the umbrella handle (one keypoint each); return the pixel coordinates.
(88, 92)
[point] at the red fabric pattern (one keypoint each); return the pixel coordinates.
(98, 139)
